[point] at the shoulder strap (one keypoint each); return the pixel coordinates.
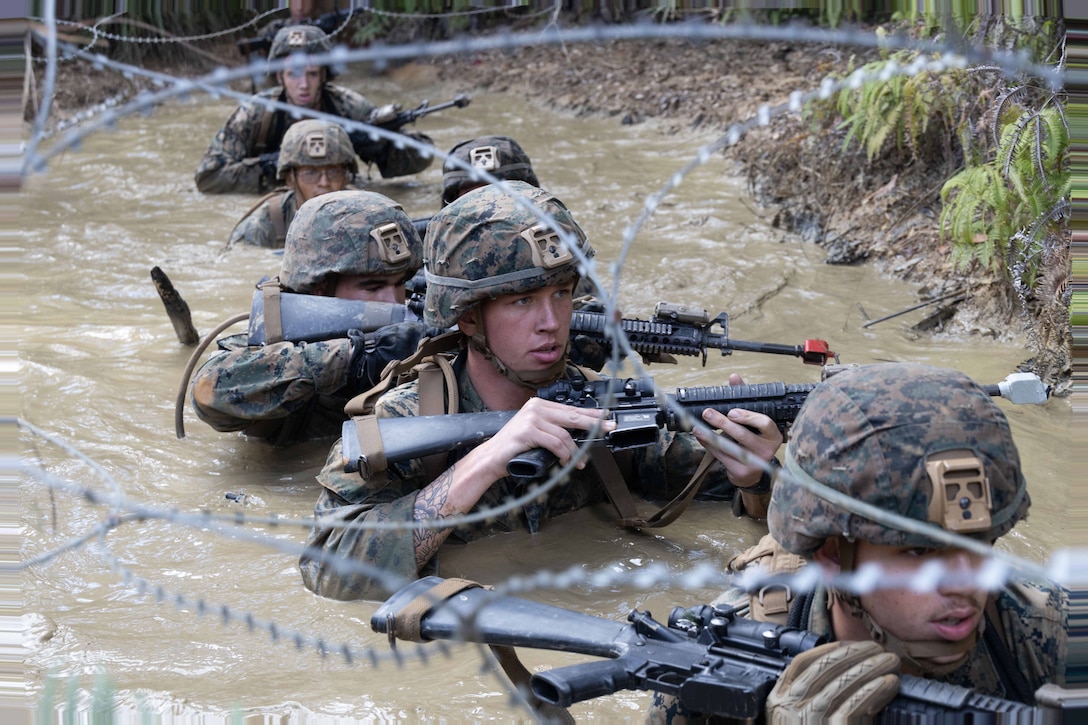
(438, 394)
(406, 622)
(267, 116)
(401, 371)
(267, 197)
(277, 215)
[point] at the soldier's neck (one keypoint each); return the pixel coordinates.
(497, 391)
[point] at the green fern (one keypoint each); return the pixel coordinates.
(1024, 188)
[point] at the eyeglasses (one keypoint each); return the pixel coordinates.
(334, 174)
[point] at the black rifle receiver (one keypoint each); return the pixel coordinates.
(713, 661)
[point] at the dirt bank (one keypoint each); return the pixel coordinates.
(880, 213)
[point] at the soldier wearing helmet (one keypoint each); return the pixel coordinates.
(887, 464)
(244, 155)
(505, 280)
(316, 158)
(500, 156)
(347, 244)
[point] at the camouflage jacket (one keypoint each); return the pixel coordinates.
(232, 162)
(282, 392)
(656, 472)
(260, 229)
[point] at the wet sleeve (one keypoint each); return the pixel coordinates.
(390, 160)
(237, 387)
(227, 166)
(343, 560)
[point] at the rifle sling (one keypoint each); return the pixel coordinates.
(273, 324)
(406, 625)
(435, 382)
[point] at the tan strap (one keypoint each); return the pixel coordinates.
(372, 450)
(406, 623)
(672, 510)
(438, 394)
(278, 216)
(262, 134)
(263, 199)
(771, 603)
(408, 618)
(401, 371)
(273, 324)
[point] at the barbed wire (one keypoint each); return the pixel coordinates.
(94, 29)
(998, 570)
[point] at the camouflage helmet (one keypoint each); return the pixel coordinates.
(500, 156)
(484, 244)
(313, 142)
(308, 39)
(891, 435)
(348, 232)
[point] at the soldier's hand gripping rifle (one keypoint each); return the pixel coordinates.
(714, 662)
(634, 405)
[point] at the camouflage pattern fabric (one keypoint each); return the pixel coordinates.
(867, 432)
(313, 142)
(485, 244)
(656, 472)
(500, 156)
(257, 228)
(335, 233)
(231, 165)
(283, 392)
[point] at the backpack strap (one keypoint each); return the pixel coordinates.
(267, 116)
(438, 394)
(772, 602)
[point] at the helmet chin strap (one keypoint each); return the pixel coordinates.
(531, 379)
(918, 653)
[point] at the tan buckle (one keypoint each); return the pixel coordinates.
(484, 157)
(781, 604)
(961, 498)
(392, 246)
(547, 248)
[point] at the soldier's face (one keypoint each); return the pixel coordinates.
(371, 287)
(311, 181)
(302, 86)
(951, 613)
(529, 331)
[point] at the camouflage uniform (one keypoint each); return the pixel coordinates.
(656, 472)
(869, 433)
(257, 227)
(232, 162)
(481, 245)
(284, 392)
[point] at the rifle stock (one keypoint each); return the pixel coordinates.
(715, 664)
(310, 318)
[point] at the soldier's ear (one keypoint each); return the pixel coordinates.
(827, 556)
(469, 322)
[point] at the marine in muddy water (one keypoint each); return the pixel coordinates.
(506, 282)
(244, 155)
(316, 158)
(350, 244)
(927, 444)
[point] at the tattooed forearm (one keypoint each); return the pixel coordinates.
(429, 505)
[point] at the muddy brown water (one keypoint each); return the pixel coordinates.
(100, 365)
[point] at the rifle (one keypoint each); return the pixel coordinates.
(391, 118)
(709, 658)
(674, 330)
(633, 404)
(310, 318)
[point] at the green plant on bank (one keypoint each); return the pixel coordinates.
(1002, 212)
